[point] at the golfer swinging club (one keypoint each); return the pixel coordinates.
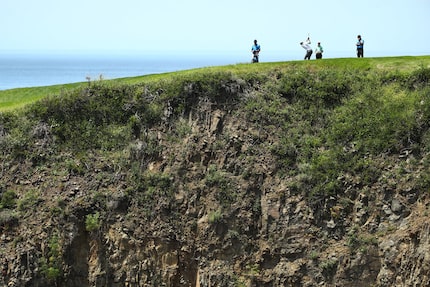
(307, 47)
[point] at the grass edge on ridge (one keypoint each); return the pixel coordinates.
(14, 99)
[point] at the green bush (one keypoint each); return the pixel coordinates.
(51, 263)
(323, 88)
(286, 152)
(329, 267)
(96, 117)
(217, 178)
(150, 189)
(8, 199)
(379, 119)
(419, 78)
(215, 217)
(29, 200)
(268, 109)
(92, 222)
(8, 218)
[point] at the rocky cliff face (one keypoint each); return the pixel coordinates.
(199, 200)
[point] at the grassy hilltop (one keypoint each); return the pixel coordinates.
(299, 173)
(19, 97)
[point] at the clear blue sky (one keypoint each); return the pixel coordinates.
(393, 27)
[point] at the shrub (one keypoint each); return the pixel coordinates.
(377, 120)
(8, 199)
(29, 200)
(51, 263)
(226, 194)
(92, 222)
(217, 178)
(8, 218)
(419, 78)
(324, 88)
(95, 117)
(215, 217)
(145, 150)
(314, 255)
(183, 128)
(268, 108)
(161, 181)
(329, 266)
(252, 269)
(286, 153)
(359, 241)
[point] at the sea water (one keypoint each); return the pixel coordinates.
(18, 70)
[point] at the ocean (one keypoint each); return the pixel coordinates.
(20, 70)
(32, 70)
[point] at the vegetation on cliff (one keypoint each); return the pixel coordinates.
(276, 174)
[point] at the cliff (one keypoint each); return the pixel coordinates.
(284, 174)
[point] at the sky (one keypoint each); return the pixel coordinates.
(388, 27)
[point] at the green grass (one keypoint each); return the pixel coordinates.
(18, 98)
